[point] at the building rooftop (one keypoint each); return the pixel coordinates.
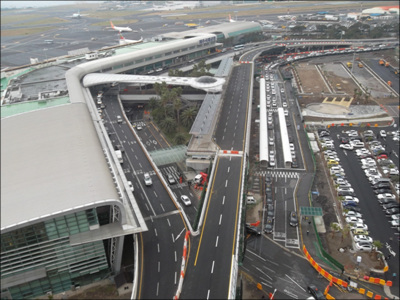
(42, 176)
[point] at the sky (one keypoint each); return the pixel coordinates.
(20, 4)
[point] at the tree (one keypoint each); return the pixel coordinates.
(168, 125)
(188, 116)
(180, 138)
(177, 107)
(334, 228)
(153, 103)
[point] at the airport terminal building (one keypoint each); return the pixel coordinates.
(66, 204)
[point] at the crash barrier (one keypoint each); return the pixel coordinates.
(378, 281)
(179, 290)
(324, 273)
(327, 295)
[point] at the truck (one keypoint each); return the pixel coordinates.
(118, 153)
(349, 65)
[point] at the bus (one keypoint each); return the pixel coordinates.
(238, 47)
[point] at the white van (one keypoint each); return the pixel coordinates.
(250, 200)
(119, 119)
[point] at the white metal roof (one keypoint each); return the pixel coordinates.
(263, 123)
(51, 161)
(213, 85)
(287, 157)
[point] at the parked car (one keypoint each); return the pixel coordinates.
(363, 247)
(382, 133)
(363, 238)
(346, 193)
(391, 205)
(359, 226)
(345, 189)
(346, 146)
(395, 223)
(353, 220)
(392, 211)
(382, 191)
(351, 213)
(269, 225)
(385, 201)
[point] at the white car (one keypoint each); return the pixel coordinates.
(386, 195)
(382, 133)
(341, 181)
(351, 198)
(354, 220)
(359, 226)
(347, 189)
(352, 134)
(130, 186)
(396, 217)
(346, 146)
(284, 104)
(147, 179)
(358, 144)
(395, 223)
(363, 247)
(352, 213)
(139, 127)
(363, 238)
(185, 199)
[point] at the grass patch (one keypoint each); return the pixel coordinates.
(6, 19)
(26, 31)
(45, 21)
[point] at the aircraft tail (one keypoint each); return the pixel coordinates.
(112, 25)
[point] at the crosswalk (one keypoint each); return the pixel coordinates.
(278, 174)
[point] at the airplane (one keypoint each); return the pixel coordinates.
(230, 20)
(287, 18)
(121, 29)
(123, 41)
(76, 15)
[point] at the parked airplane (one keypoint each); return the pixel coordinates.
(287, 18)
(123, 41)
(76, 15)
(121, 29)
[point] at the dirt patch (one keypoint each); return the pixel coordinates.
(310, 79)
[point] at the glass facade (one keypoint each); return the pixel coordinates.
(44, 248)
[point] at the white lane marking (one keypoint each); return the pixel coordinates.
(158, 285)
(155, 232)
(256, 255)
(140, 165)
(158, 248)
(226, 183)
(162, 207)
(208, 294)
(158, 267)
(136, 156)
(220, 218)
(147, 206)
(229, 168)
(285, 191)
(175, 257)
(270, 278)
(212, 268)
(223, 200)
(216, 242)
(175, 278)
(169, 224)
(173, 240)
(155, 194)
(295, 283)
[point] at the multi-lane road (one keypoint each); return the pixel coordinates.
(161, 247)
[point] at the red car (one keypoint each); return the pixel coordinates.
(382, 156)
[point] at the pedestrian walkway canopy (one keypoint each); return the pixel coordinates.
(206, 83)
(310, 211)
(168, 156)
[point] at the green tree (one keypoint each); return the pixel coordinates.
(180, 138)
(334, 228)
(153, 103)
(168, 125)
(188, 116)
(175, 72)
(177, 107)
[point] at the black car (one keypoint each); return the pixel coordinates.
(269, 225)
(268, 179)
(293, 219)
(392, 211)
(315, 292)
(386, 201)
(269, 201)
(346, 193)
(353, 208)
(382, 191)
(391, 205)
(294, 163)
(344, 140)
(252, 229)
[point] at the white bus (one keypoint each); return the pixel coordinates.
(238, 47)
